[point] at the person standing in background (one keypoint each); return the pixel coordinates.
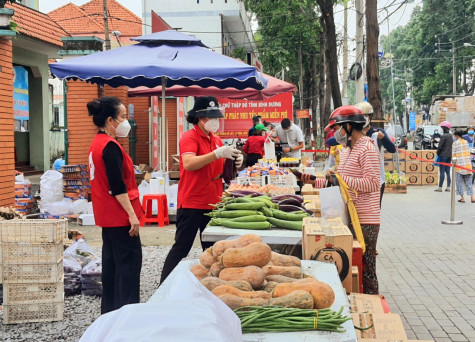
(201, 185)
(444, 152)
(116, 205)
(254, 147)
(469, 138)
(255, 121)
(461, 151)
(291, 137)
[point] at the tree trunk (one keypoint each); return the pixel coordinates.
(314, 101)
(326, 7)
(372, 60)
(321, 78)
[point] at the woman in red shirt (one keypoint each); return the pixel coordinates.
(254, 147)
(116, 204)
(202, 157)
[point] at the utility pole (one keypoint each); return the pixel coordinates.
(359, 49)
(300, 76)
(454, 75)
(345, 51)
(107, 41)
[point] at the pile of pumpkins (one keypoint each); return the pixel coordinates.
(246, 272)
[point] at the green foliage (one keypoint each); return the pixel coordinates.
(239, 53)
(4, 2)
(417, 58)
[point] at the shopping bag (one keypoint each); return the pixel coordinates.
(331, 161)
(436, 160)
(333, 204)
(269, 150)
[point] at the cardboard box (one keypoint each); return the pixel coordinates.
(331, 243)
(385, 326)
(312, 202)
(428, 154)
(308, 189)
(430, 179)
(355, 279)
(429, 168)
(414, 178)
(364, 303)
(412, 154)
(86, 220)
(357, 260)
(413, 166)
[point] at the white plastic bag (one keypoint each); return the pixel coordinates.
(269, 150)
(79, 252)
(331, 161)
(51, 189)
(333, 204)
(79, 206)
(63, 207)
(187, 313)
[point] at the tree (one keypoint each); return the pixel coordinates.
(372, 59)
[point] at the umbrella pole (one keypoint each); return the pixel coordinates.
(162, 126)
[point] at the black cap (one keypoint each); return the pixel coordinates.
(206, 106)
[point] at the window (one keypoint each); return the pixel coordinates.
(56, 116)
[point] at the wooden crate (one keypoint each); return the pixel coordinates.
(395, 188)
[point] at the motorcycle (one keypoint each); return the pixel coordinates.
(434, 141)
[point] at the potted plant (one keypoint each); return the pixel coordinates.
(395, 183)
(6, 14)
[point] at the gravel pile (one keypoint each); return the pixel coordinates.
(80, 311)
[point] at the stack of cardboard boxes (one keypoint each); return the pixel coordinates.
(420, 172)
(76, 181)
(24, 202)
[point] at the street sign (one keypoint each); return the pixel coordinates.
(412, 121)
(303, 114)
(380, 51)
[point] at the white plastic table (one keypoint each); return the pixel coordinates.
(273, 236)
(322, 271)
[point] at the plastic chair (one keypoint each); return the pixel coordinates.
(162, 215)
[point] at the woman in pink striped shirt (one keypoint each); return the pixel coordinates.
(360, 168)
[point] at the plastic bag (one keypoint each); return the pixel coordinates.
(79, 206)
(60, 208)
(144, 189)
(91, 278)
(79, 252)
(330, 163)
(333, 204)
(436, 160)
(188, 312)
(51, 189)
(269, 150)
(72, 277)
(58, 163)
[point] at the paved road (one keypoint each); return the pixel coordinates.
(426, 270)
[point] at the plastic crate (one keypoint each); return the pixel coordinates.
(260, 180)
(33, 293)
(37, 312)
(31, 253)
(32, 273)
(33, 231)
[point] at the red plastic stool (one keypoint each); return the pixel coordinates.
(162, 215)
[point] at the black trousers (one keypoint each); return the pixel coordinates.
(252, 159)
(188, 221)
(382, 193)
(121, 266)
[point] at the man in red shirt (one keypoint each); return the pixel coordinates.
(202, 157)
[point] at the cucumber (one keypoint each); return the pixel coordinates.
(242, 225)
(282, 215)
(234, 213)
(266, 211)
(244, 206)
(243, 200)
(250, 218)
(295, 225)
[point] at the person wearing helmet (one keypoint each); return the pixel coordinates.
(444, 154)
(469, 137)
(201, 166)
(360, 168)
(380, 138)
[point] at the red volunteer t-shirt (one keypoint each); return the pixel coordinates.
(200, 188)
(255, 144)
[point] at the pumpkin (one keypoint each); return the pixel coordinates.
(252, 274)
(207, 259)
(287, 271)
(322, 293)
(220, 246)
(225, 289)
(256, 253)
(215, 269)
(284, 260)
(280, 278)
(199, 271)
(270, 286)
(236, 302)
(299, 299)
(212, 282)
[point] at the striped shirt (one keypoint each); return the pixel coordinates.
(461, 151)
(359, 167)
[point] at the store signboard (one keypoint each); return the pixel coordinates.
(21, 108)
(412, 121)
(239, 114)
(303, 114)
(155, 139)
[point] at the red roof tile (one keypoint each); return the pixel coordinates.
(75, 20)
(37, 25)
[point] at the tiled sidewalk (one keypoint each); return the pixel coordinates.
(426, 270)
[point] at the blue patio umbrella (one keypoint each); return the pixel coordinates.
(164, 59)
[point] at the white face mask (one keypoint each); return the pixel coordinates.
(212, 125)
(123, 129)
(368, 121)
(341, 139)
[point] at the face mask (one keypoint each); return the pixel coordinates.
(123, 129)
(212, 125)
(470, 132)
(341, 139)
(368, 121)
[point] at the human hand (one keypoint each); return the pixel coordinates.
(228, 152)
(134, 226)
(238, 161)
(286, 149)
(306, 179)
(380, 135)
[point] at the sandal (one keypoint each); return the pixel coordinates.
(463, 201)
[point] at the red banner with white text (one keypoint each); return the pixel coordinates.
(239, 113)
